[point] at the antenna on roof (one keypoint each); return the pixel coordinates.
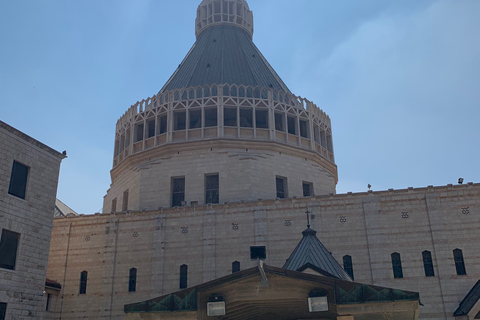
(308, 218)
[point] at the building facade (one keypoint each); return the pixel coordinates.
(29, 171)
(225, 157)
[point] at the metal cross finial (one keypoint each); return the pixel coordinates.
(308, 218)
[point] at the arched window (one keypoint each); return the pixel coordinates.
(348, 265)
(397, 265)
(459, 263)
(132, 280)
(235, 266)
(428, 264)
(183, 276)
(83, 282)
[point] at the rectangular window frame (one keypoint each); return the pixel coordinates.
(179, 120)
(150, 128)
(19, 180)
(163, 121)
(230, 118)
(125, 200)
(177, 194)
(261, 118)
(195, 118)
(139, 132)
(212, 188)
(307, 185)
(281, 187)
(3, 310)
(210, 117)
(9, 246)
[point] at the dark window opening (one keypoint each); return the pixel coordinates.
(117, 148)
(459, 262)
(3, 310)
(179, 120)
(323, 137)
(428, 264)
(114, 205)
(83, 282)
(122, 142)
(127, 138)
(163, 124)
(178, 191)
(139, 132)
(8, 249)
(235, 266)
(261, 119)
(281, 185)
(212, 187)
(291, 125)
(230, 117)
(348, 266)
(18, 180)
(246, 118)
(279, 125)
(132, 280)
(150, 128)
(125, 201)
(304, 128)
(183, 276)
(195, 117)
(397, 266)
(307, 189)
(316, 134)
(258, 252)
(211, 117)
(329, 144)
(47, 306)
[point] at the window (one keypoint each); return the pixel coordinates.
(246, 118)
(281, 184)
(291, 125)
(125, 201)
(230, 117)
(8, 249)
(211, 117)
(150, 128)
(235, 266)
(258, 252)
(459, 263)
(304, 128)
(348, 266)
(132, 280)
(139, 132)
(307, 189)
(195, 117)
(279, 122)
(183, 276)
(47, 306)
(163, 124)
(114, 205)
(212, 188)
(179, 120)
(397, 265)
(18, 180)
(127, 139)
(178, 191)
(428, 264)
(261, 118)
(83, 282)
(3, 310)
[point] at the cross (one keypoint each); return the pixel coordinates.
(308, 218)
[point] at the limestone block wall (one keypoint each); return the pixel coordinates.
(246, 170)
(22, 289)
(367, 226)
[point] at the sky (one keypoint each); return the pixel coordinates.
(400, 80)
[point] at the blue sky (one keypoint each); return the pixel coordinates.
(399, 79)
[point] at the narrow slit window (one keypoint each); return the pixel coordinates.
(47, 306)
(150, 128)
(83, 282)
(125, 201)
(18, 180)
(281, 186)
(279, 122)
(261, 119)
(307, 189)
(230, 117)
(178, 191)
(348, 266)
(3, 310)
(459, 262)
(114, 205)
(235, 266)
(183, 276)
(428, 264)
(397, 266)
(291, 125)
(212, 188)
(8, 249)
(211, 117)
(139, 132)
(163, 124)
(195, 119)
(246, 118)
(180, 120)
(132, 280)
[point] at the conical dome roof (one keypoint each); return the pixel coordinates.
(224, 53)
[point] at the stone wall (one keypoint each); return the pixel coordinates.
(23, 288)
(367, 226)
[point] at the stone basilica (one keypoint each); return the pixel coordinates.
(223, 163)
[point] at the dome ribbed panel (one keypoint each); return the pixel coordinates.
(224, 55)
